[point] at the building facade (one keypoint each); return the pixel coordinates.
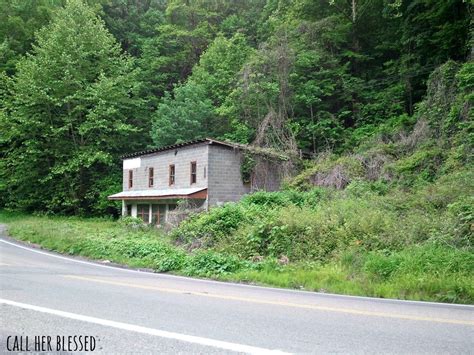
(205, 172)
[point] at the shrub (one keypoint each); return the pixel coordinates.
(172, 259)
(132, 222)
(268, 199)
(420, 166)
(381, 265)
(211, 226)
(211, 264)
(330, 171)
(361, 188)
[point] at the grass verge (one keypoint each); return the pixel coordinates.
(413, 273)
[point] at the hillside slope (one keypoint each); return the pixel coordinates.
(392, 217)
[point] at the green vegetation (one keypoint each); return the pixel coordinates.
(358, 253)
(392, 218)
(85, 81)
(379, 92)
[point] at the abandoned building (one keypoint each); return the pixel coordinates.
(204, 172)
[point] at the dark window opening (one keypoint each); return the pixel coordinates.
(172, 175)
(129, 210)
(151, 180)
(158, 214)
(193, 172)
(143, 212)
(130, 179)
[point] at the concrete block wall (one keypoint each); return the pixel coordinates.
(160, 162)
(218, 170)
(225, 180)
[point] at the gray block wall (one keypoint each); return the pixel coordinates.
(218, 170)
(160, 162)
(225, 181)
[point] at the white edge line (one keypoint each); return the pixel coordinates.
(223, 283)
(144, 330)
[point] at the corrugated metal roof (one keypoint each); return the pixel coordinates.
(156, 193)
(179, 145)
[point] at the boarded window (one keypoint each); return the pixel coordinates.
(130, 179)
(193, 172)
(158, 214)
(151, 180)
(143, 212)
(172, 175)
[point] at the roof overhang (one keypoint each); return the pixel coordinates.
(208, 141)
(166, 194)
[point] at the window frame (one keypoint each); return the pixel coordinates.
(193, 174)
(151, 177)
(130, 179)
(141, 213)
(172, 177)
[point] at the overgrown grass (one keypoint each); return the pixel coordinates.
(432, 271)
(369, 239)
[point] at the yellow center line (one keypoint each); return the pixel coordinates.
(274, 303)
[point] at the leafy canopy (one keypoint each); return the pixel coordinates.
(73, 111)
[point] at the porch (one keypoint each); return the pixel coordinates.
(153, 206)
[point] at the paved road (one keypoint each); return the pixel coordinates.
(43, 294)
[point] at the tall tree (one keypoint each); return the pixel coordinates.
(19, 20)
(185, 116)
(133, 21)
(195, 109)
(73, 111)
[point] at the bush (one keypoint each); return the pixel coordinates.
(212, 264)
(207, 228)
(267, 199)
(381, 265)
(462, 212)
(330, 171)
(361, 188)
(132, 222)
(421, 166)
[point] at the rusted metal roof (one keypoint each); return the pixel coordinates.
(184, 144)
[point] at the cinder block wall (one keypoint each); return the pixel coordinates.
(225, 180)
(181, 158)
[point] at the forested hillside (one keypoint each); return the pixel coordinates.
(83, 82)
(377, 94)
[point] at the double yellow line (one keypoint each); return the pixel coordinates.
(274, 303)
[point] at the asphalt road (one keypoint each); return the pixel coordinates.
(44, 294)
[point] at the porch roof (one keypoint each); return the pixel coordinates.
(196, 192)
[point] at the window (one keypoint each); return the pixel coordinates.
(193, 172)
(143, 212)
(129, 210)
(158, 214)
(150, 177)
(172, 175)
(130, 179)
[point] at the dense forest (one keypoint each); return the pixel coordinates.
(83, 82)
(377, 96)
